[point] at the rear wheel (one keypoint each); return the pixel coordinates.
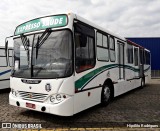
(106, 95)
(142, 82)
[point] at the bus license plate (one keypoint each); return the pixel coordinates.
(30, 105)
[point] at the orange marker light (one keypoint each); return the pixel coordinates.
(89, 93)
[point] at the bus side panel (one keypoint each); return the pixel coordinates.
(5, 66)
(122, 87)
(147, 74)
(137, 82)
(125, 86)
(81, 99)
(4, 84)
(67, 87)
(4, 77)
(86, 99)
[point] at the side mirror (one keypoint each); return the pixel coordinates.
(9, 42)
(8, 45)
(83, 39)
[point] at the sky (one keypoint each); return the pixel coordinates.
(126, 18)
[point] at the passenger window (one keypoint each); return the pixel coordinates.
(10, 52)
(135, 56)
(112, 49)
(130, 53)
(3, 59)
(105, 41)
(147, 58)
(112, 43)
(102, 54)
(3, 62)
(141, 56)
(102, 50)
(2, 52)
(99, 39)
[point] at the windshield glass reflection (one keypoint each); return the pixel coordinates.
(49, 56)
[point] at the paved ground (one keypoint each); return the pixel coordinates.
(135, 107)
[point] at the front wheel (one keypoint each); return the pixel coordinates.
(105, 95)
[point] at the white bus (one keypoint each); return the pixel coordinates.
(64, 64)
(5, 64)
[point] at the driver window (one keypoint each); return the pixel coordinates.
(85, 58)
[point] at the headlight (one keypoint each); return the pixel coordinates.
(14, 92)
(57, 98)
(52, 98)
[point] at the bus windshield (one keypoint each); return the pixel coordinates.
(46, 55)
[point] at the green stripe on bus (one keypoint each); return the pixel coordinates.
(131, 68)
(84, 79)
(147, 69)
(89, 76)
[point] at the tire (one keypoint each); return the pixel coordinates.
(142, 83)
(106, 95)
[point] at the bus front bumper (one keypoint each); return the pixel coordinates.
(65, 108)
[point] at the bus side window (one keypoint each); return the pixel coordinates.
(102, 47)
(112, 49)
(144, 57)
(99, 39)
(130, 53)
(135, 56)
(3, 58)
(141, 56)
(147, 58)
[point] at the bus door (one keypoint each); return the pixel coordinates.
(141, 65)
(121, 60)
(9, 50)
(136, 62)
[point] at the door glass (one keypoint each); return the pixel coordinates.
(121, 60)
(136, 56)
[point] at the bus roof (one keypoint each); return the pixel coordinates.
(98, 27)
(135, 44)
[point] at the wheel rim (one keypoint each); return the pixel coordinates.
(106, 93)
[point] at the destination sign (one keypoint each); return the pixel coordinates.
(42, 23)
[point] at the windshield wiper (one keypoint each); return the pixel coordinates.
(26, 45)
(25, 42)
(42, 39)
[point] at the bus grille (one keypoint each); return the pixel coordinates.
(32, 96)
